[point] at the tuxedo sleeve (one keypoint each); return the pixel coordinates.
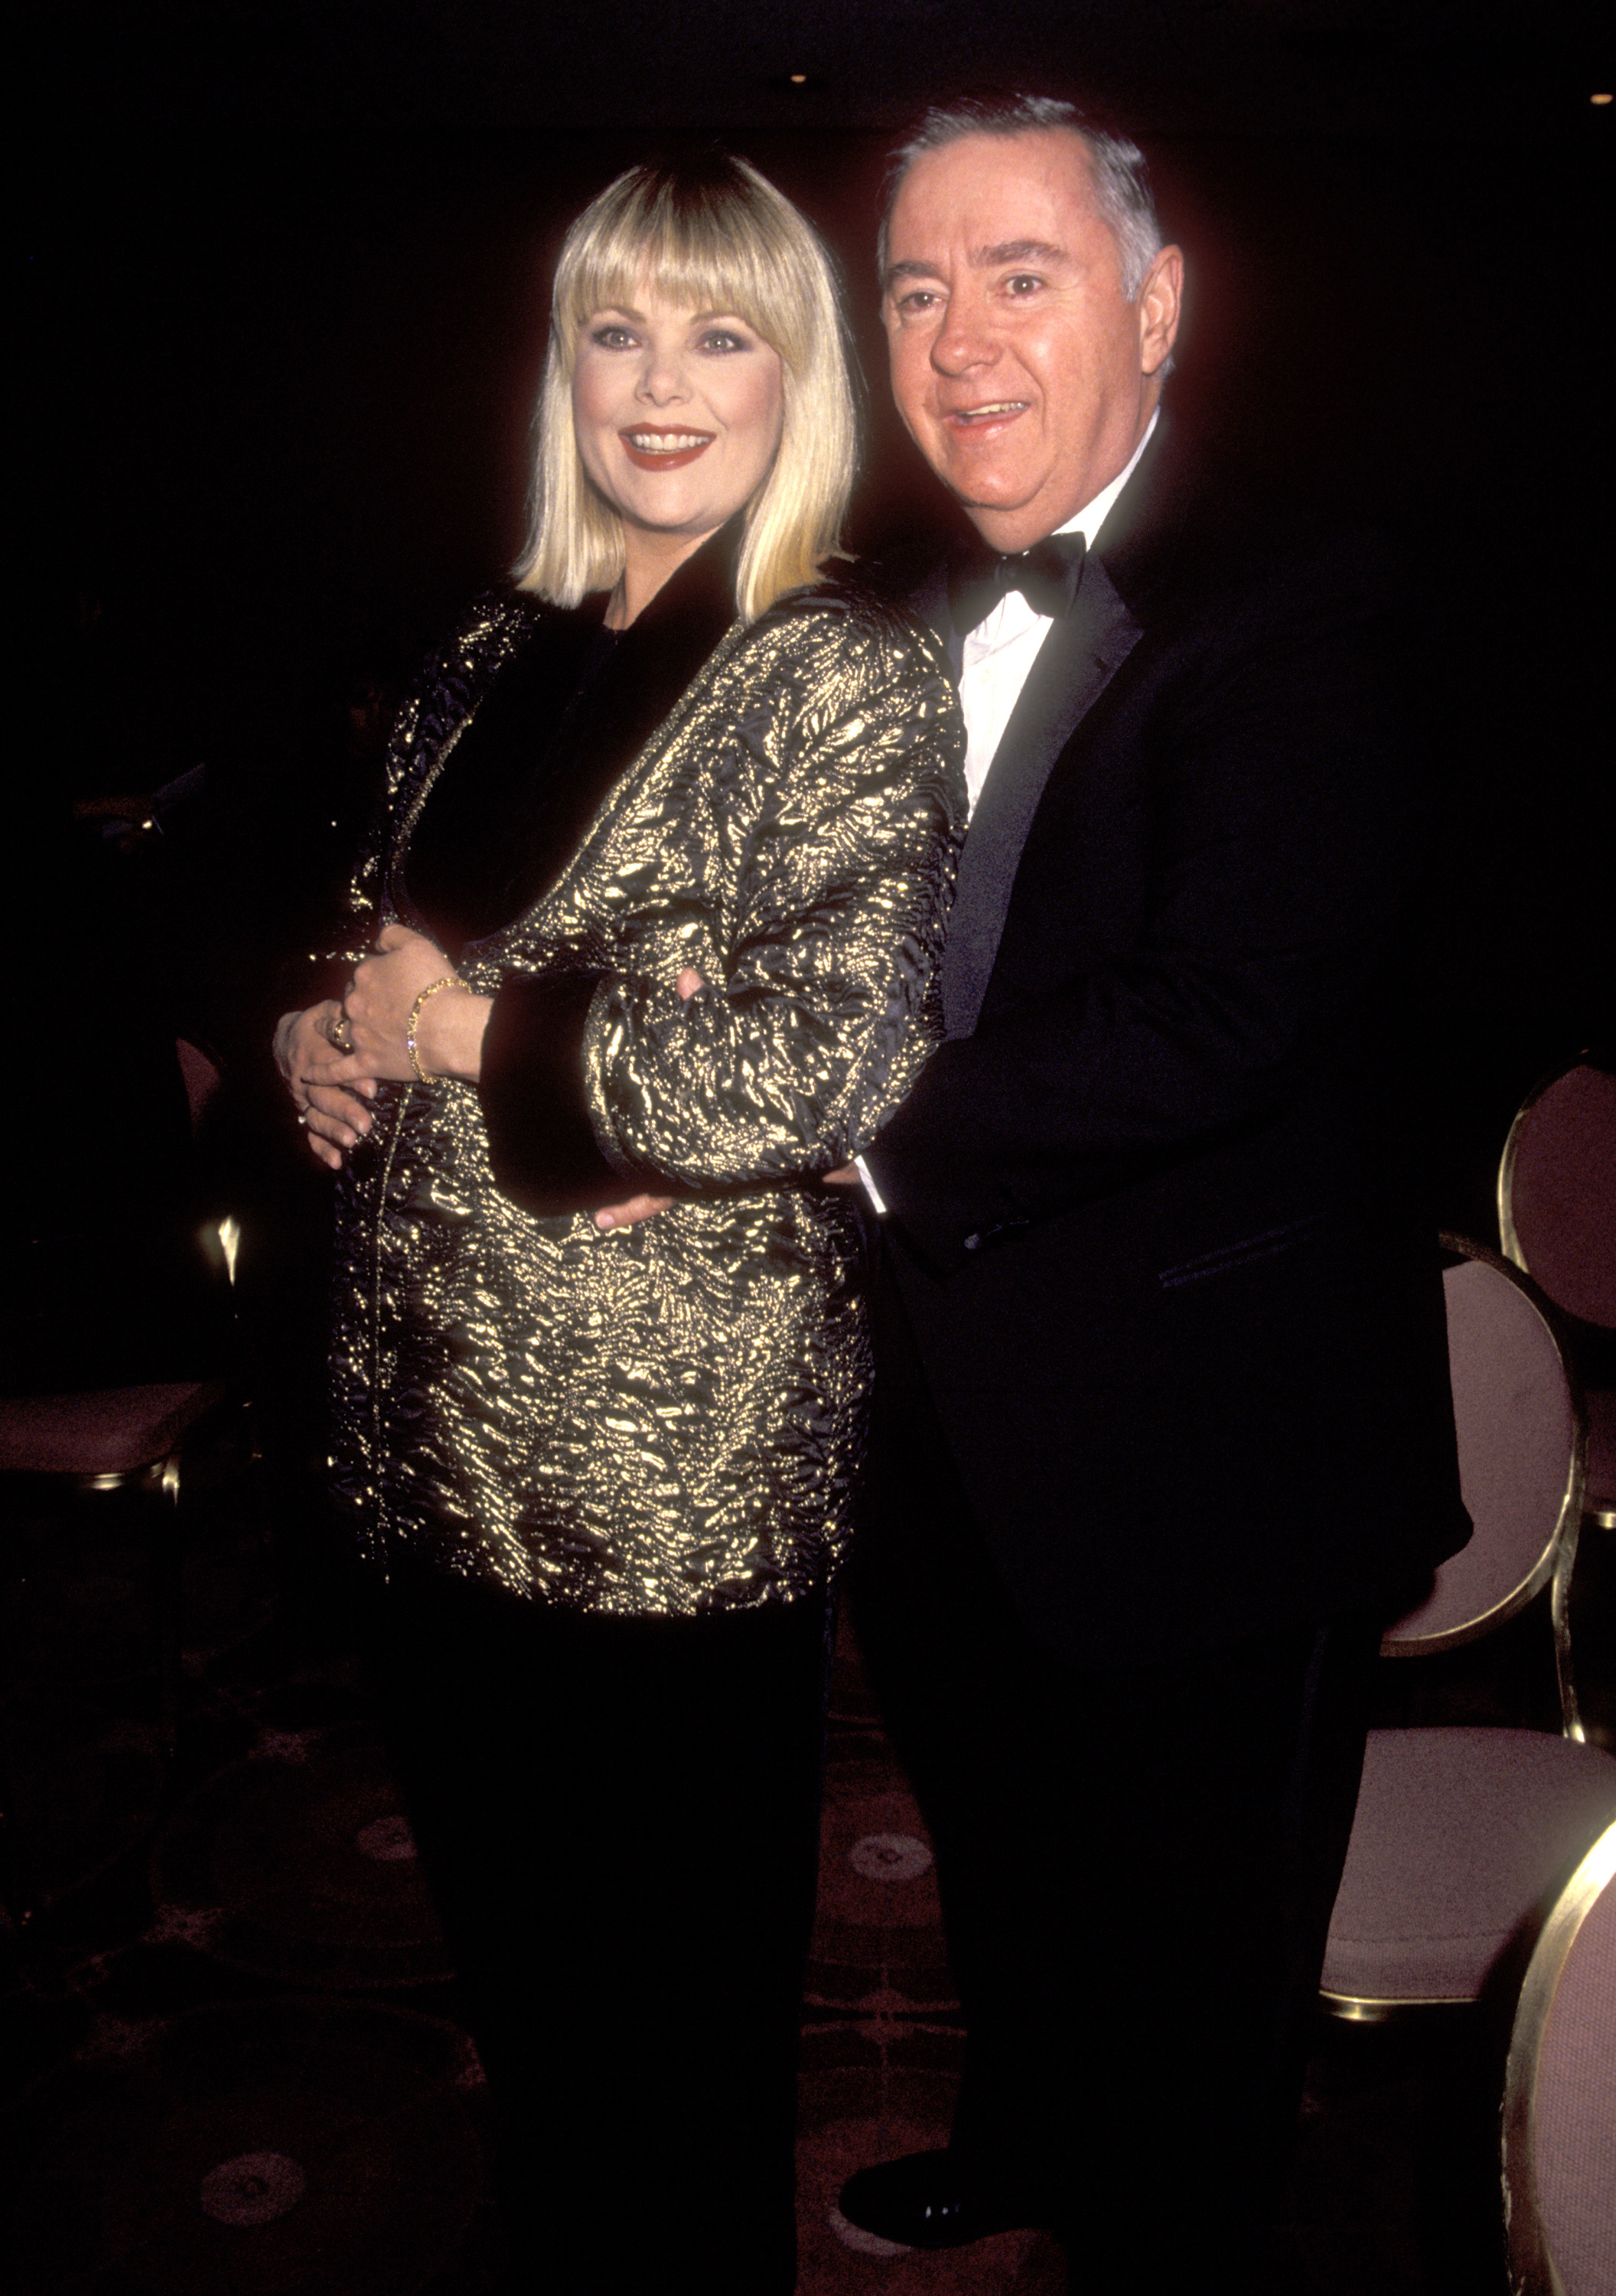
(1273, 832)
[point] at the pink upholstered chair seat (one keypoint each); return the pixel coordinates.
(110, 1431)
(1560, 2095)
(1557, 1192)
(1461, 1834)
(1557, 1219)
(1516, 1428)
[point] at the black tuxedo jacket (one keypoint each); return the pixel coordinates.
(1149, 1246)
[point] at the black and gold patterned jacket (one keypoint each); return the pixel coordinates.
(664, 1418)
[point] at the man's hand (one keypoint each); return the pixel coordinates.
(636, 1207)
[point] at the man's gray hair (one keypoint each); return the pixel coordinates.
(1122, 182)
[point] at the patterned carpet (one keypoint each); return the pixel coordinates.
(233, 2059)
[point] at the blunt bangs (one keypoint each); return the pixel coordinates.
(691, 247)
(714, 236)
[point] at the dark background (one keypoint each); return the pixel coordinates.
(283, 312)
(278, 317)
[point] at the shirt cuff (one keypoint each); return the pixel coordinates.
(877, 1201)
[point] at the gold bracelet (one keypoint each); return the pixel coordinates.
(449, 980)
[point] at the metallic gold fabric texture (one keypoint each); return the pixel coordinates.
(665, 1418)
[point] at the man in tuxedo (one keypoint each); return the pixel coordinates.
(1163, 1431)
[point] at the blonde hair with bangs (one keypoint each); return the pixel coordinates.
(717, 236)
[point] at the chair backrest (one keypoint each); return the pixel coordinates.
(1560, 2094)
(1557, 1192)
(221, 1238)
(202, 1079)
(1520, 1445)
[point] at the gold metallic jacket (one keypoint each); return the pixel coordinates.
(665, 1418)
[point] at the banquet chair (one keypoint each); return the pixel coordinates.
(1557, 1219)
(1463, 1835)
(222, 1238)
(1559, 2121)
(122, 1438)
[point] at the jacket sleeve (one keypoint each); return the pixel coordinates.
(1273, 831)
(838, 795)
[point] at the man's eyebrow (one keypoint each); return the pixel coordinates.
(983, 258)
(1017, 250)
(896, 271)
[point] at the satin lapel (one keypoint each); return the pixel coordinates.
(1074, 665)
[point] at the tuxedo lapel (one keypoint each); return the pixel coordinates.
(1073, 667)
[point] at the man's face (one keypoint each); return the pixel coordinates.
(1026, 376)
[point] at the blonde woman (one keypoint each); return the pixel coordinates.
(655, 915)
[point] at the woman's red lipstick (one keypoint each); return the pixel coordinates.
(674, 458)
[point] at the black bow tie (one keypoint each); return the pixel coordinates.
(1047, 576)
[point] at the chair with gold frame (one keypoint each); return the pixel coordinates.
(124, 1439)
(1559, 2134)
(1557, 1219)
(1463, 1835)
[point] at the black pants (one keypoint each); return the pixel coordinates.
(619, 1822)
(1137, 1865)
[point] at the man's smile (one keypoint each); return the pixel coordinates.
(997, 410)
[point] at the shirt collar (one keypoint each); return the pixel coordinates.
(1012, 617)
(1093, 515)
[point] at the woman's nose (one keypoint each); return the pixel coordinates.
(663, 381)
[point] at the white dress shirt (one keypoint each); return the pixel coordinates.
(997, 657)
(999, 653)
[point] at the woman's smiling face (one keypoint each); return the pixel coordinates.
(678, 415)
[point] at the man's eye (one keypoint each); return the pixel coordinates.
(917, 301)
(1022, 282)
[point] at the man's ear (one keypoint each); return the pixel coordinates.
(1158, 304)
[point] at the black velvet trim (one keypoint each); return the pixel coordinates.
(504, 816)
(541, 1142)
(557, 728)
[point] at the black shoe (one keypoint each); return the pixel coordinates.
(921, 2201)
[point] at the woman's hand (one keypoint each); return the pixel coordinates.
(382, 996)
(329, 1087)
